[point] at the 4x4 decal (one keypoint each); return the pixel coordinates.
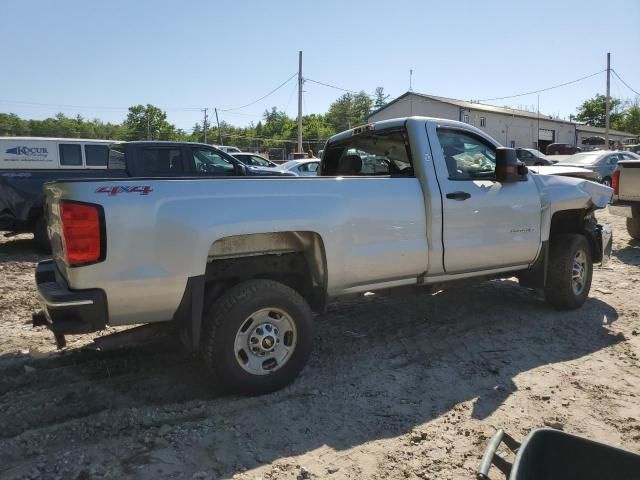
(116, 189)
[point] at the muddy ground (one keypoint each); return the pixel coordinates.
(405, 387)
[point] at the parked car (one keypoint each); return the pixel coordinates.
(254, 160)
(227, 148)
(603, 162)
(301, 168)
(626, 195)
(562, 149)
(531, 156)
(27, 163)
(237, 266)
(577, 172)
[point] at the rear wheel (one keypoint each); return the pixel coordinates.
(606, 181)
(40, 236)
(569, 272)
(633, 227)
(258, 337)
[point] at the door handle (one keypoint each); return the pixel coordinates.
(460, 196)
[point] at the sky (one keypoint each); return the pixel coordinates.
(96, 58)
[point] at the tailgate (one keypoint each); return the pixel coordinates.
(629, 189)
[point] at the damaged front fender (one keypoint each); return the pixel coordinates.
(565, 193)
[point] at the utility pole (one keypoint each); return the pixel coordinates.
(608, 104)
(148, 126)
(300, 101)
(219, 131)
(538, 136)
(411, 79)
(204, 124)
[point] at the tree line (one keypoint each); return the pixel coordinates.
(275, 129)
(148, 122)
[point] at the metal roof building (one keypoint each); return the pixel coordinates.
(511, 127)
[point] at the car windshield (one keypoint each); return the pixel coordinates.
(583, 158)
(256, 160)
(535, 152)
(289, 164)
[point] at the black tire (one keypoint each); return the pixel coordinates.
(40, 236)
(559, 290)
(633, 227)
(230, 313)
(606, 181)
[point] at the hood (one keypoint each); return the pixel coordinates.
(558, 169)
(587, 166)
(267, 172)
(570, 193)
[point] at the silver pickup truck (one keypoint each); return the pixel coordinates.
(626, 195)
(238, 265)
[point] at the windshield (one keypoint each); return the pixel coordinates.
(256, 160)
(583, 158)
(535, 152)
(289, 164)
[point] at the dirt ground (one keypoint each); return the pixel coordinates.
(405, 387)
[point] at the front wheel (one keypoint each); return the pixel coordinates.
(606, 181)
(633, 227)
(569, 272)
(258, 337)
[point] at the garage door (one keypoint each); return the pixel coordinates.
(547, 135)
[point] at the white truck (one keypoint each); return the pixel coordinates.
(238, 265)
(625, 182)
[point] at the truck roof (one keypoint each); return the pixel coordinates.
(400, 122)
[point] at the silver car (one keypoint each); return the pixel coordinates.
(603, 162)
(302, 168)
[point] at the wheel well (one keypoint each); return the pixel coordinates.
(296, 259)
(580, 222)
(34, 214)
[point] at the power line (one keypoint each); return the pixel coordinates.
(263, 97)
(336, 87)
(541, 90)
(625, 83)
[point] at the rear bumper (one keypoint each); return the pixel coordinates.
(69, 311)
(623, 209)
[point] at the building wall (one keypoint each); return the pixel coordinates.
(506, 129)
(616, 137)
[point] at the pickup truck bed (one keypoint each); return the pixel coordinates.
(626, 198)
(238, 265)
(22, 197)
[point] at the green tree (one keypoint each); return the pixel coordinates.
(630, 121)
(148, 123)
(592, 111)
(348, 111)
(381, 98)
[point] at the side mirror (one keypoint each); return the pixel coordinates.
(508, 169)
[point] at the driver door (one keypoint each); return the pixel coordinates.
(486, 224)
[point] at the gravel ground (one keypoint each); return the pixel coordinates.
(403, 387)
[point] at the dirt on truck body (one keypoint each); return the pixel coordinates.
(396, 387)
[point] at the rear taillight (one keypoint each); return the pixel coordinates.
(615, 182)
(82, 233)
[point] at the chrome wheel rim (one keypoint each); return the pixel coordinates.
(579, 272)
(265, 341)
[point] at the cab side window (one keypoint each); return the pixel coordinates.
(70, 154)
(96, 155)
(468, 157)
(162, 160)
